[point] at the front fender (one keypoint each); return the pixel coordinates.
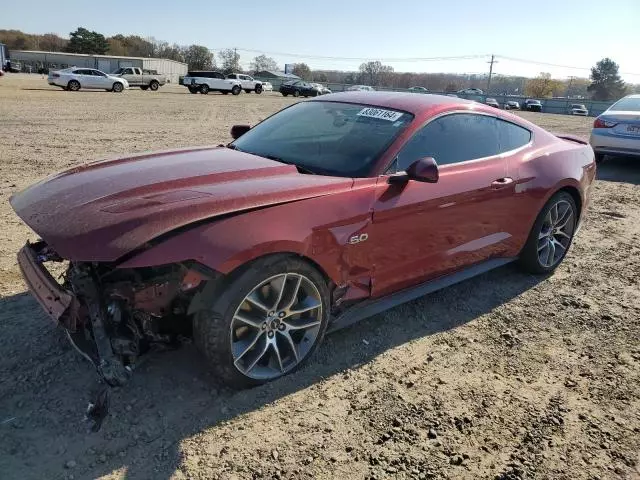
(317, 228)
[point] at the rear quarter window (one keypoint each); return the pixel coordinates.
(511, 136)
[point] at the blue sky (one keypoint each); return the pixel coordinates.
(563, 32)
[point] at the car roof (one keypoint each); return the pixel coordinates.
(407, 102)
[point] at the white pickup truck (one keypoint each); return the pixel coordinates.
(248, 83)
(210, 81)
(140, 78)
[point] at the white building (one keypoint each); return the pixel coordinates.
(36, 61)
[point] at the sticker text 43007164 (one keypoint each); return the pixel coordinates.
(380, 113)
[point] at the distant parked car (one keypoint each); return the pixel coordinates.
(321, 88)
(360, 88)
(74, 79)
(617, 130)
(248, 83)
(452, 95)
(512, 105)
(267, 87)
(471, 91)
(141, 78)
(492, 102)
(531, 105)
(299, 88)
(578, 109)
(210, 81)
(418, 90)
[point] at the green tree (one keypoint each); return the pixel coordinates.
(302, 70)
(606, 83)
(230, 60)
(199, 58)
(262, 62)
(85, 41)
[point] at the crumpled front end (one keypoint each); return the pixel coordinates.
(113, 316)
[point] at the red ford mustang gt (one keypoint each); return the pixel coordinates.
(329, 211)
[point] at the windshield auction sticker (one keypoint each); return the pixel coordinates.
(389, 115)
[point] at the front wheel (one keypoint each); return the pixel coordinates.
(117, 87)
(193, 89)
(296, 93)
(154, 85)
(204, 89)
(236, 90)
(551, 235)
(285, 94)
(258, 89)
(266, 323)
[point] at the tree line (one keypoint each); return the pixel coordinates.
(604, 82)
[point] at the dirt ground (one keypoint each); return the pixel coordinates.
(506, 376)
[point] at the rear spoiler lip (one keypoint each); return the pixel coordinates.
(572, 138)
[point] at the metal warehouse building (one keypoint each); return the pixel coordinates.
(35, 61)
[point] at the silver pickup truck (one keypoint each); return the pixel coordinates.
(141, 78)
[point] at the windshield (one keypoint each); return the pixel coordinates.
(631, 104)
(329, 138)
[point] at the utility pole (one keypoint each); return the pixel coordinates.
(569, 87)
(490, 71)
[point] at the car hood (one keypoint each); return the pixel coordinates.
(101, 211)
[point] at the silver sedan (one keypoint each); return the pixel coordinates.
(74, 79)
(617, 130)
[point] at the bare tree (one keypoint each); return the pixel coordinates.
(230, 60)
(302, 70)
(375, 73)
(262, 62)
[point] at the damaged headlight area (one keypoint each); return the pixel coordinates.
(114, 316)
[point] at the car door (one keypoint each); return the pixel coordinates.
(422, 230)
(129, 74)
(83, 76)
(101, 80)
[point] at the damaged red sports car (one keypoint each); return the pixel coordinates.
(331, 210)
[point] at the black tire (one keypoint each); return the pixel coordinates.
(73, 85)
(599, 157)
(211, 326)
(154, 85)
(296, 93)
(258, 89)
(285, 94)
(236, 90)
(144, 87)
(193, 89)
(204, 89)
(117, 87)
(247, 91)
(529, 259)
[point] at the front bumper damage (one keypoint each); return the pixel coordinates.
(113, 316)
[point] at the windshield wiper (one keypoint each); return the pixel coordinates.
(300, 168)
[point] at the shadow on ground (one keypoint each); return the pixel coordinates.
(620, 169)
(45, 385)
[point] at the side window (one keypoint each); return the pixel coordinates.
(512, 136)
(217, 75)
(452, 139)
(233, 77)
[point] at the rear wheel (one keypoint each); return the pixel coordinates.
(117, 87)
(204, 89)
(266, 322)
(551, 235)
(296, 93)
(193, 89)
(73, 85)
(285, 94)
(236, 90)
(258, 89)
(154, 85)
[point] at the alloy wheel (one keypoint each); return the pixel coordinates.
(556, 233)
(276, 326)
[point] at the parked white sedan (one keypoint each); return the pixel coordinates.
(267, 87)
(74, 79)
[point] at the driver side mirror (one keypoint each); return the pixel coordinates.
(422, 170)
(238, 130)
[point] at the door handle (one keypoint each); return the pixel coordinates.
(501, 183)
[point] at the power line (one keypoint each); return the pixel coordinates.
(534, 62)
